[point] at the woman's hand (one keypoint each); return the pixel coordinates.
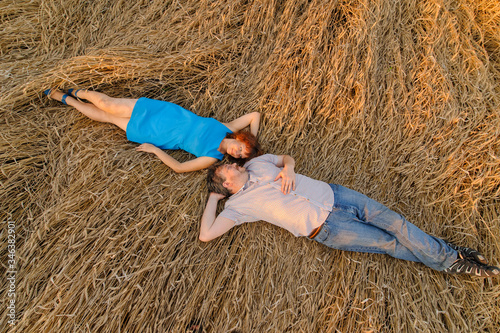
(249, 119)
(147, 147)
(287, 176)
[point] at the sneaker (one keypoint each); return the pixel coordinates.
(469, 253)
(465, 265)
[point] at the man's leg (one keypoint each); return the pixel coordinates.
(361, 224)
(344, 231)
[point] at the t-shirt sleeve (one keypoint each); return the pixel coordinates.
(271, 158)
(267, 158)
(236, 216)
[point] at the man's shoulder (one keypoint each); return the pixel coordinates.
(266, 158)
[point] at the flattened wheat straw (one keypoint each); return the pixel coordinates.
(398, 100)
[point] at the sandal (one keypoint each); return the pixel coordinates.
(74, 93)
(48, 92)
(469, 253)
(464, 265)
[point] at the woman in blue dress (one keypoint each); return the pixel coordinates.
(159, 125)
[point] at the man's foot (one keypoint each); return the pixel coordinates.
(469, 253)
(465, 265)
(57, 95)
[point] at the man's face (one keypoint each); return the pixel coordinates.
(235, 176)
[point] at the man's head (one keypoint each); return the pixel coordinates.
(226, 179)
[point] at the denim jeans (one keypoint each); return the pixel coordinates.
(358, 223)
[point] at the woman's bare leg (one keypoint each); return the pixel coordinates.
(120, 107)
(91, 111)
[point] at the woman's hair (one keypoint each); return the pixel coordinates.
(250, 141)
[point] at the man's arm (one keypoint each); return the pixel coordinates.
(212, 226)
(287, 175)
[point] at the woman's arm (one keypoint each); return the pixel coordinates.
(211, 226)
(250, 119)
(179, 167)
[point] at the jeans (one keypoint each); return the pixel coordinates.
(358, 223)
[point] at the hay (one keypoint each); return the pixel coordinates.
(398, 100)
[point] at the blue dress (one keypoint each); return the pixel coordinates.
(169, 126)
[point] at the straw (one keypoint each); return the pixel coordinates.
(397, 100)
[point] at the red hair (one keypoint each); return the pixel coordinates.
(253, 145)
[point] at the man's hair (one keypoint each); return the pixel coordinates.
(250, 141)
(215, 180)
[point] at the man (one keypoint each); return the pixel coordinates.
(267, 189)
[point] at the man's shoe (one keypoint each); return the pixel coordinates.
(469, 253)
(465, 265)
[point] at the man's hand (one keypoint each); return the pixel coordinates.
(217, 196)
(287, 176)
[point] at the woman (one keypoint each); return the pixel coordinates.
(161, 125)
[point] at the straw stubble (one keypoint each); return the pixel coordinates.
(396, 100)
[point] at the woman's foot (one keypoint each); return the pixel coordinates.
(74, 93)
(56, 95)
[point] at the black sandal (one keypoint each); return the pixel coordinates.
(469, 253)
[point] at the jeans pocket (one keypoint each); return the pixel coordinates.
(323, 234)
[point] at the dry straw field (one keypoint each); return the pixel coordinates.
(396, 99)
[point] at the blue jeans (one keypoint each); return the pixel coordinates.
(358, 223)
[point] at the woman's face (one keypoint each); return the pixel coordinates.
(237, 149)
